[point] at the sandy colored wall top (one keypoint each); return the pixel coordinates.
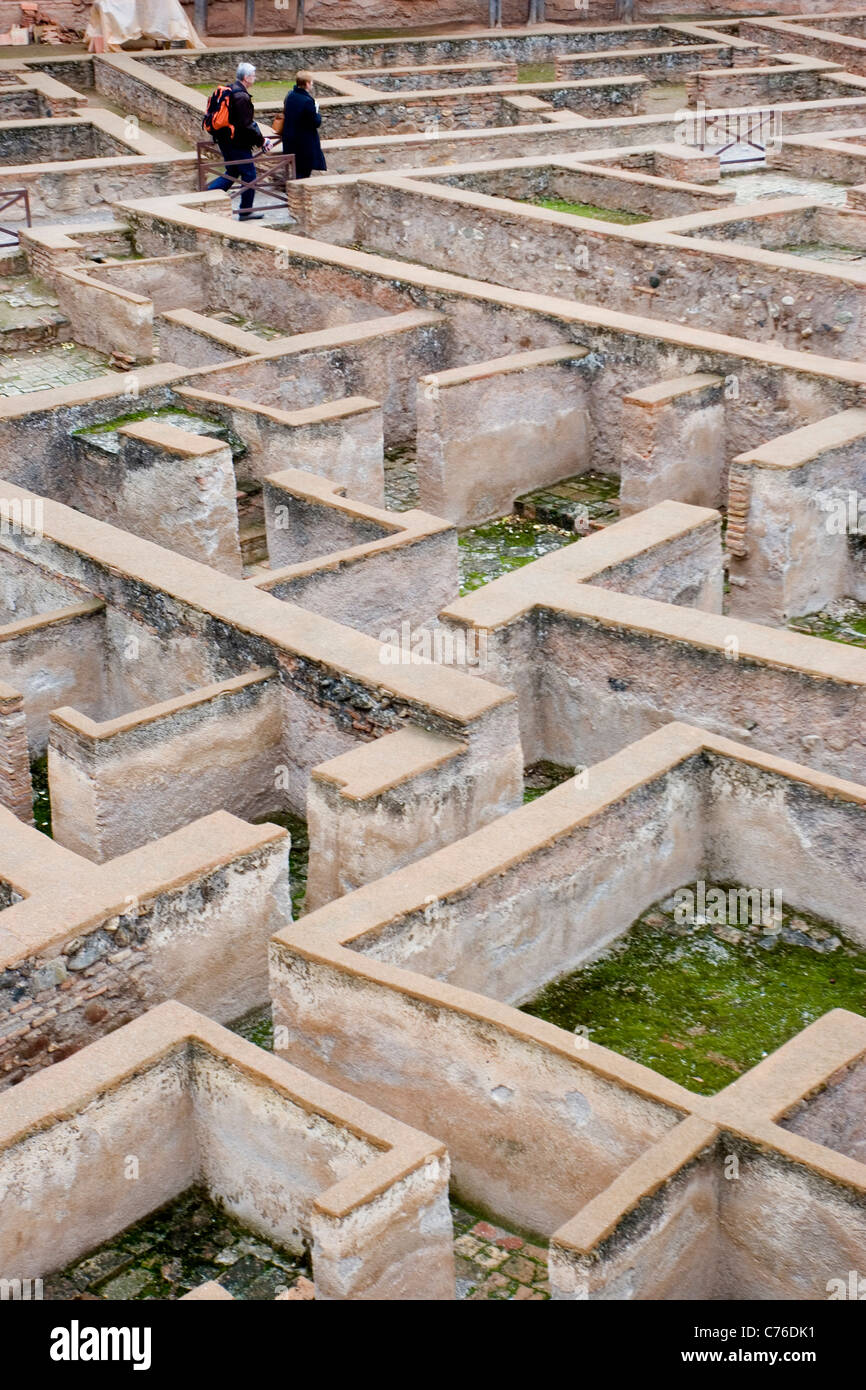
(68, 1087)
(182, 215)
(498, 847)
(509, 597)
(65, 895)
(746, 1108)
(459, 698)
(792, 450)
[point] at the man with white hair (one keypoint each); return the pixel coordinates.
(230, 121)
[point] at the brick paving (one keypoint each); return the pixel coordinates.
(493, 1262)
(186, 1243)
(45, 368)
(190, 1241)
(587, 502)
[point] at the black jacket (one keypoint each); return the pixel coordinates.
(301, 123)
(247, 135)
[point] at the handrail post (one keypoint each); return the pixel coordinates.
(11, 197)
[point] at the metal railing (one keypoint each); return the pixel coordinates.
(273, 171)
(723, 132)
(8, 198)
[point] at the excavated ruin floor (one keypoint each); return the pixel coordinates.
(261, 330)
(486, 552)
(817, 251)
(185, 1243)
(28, 312)
(775, 183)
(41, 369)
(661, 98)
(191, 1241)
(841, 621)
(600, 214)
(543, 520)
(401, 477)
(491, 1260)
(702, 1003)
(584, 503)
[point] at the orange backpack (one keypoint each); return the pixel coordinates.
(217, 115)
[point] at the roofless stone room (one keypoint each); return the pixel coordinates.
(433, 667)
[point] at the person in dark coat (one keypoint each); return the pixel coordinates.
(301, 121)
(237, 146)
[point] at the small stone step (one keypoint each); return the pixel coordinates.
(254, 544)
(29, 313)
(12, 261)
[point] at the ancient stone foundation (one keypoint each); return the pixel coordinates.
(432, 671)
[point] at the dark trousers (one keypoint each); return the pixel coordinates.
(246, 171)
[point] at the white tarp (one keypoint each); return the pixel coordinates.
(115, 22)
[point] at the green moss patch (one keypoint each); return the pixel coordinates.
(702, 1003)
(104, 435)
(41, 795)
(536, 72)
(590, 210)
(257, 1027)
(542, 777)
(486, 552)
(841, 621)
(824, 251)
(299, 854)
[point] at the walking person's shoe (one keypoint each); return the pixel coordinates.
(250, 216)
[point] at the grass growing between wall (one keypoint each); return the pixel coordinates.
(536, 72)
(262, 91)
(590, 210)
(703, 1003)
